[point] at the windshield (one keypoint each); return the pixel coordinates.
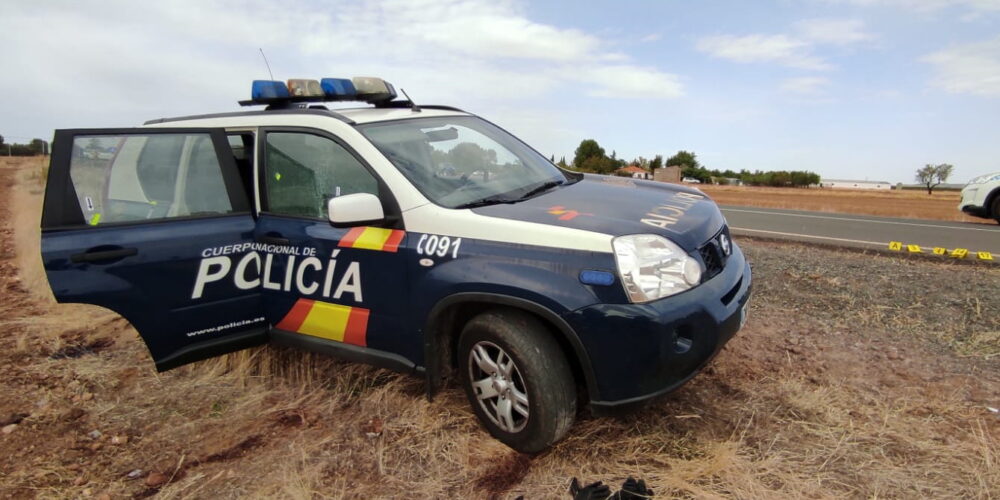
(463, 161)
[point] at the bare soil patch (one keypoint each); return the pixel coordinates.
(857, 376)
(942, 205)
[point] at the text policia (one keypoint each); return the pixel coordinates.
(254, 269)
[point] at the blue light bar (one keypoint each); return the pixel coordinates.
(590, 277)
(338, 88)
(268, 89)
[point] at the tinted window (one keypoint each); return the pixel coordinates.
(303, 171)
(147, 177)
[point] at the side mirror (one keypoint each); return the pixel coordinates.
(353, 209)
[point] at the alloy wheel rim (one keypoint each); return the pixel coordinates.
(498, 386)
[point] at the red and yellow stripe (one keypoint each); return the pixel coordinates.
(329, 321)
(373, 238)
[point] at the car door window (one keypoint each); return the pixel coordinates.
(303, 171)
(129, 178)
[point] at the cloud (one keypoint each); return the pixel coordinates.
(632, 82)
(928, 5)
(972, 68)
(806, 85)
(652, 37)
(135, 60)
(781, 49)
(792, 50)
(833, 31)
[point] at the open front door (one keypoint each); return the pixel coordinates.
(155, 225)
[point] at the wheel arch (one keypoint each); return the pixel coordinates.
(988, 202)
(445, 321)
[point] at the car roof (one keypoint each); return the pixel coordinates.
(348, 115)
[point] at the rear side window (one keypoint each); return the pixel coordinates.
(303, 171)
(147, 177)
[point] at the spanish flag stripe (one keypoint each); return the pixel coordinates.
(293, 320)
(373, 238)
(351, 236)
(357, 327)
(328, 321)
(392, 244)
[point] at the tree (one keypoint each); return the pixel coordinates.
(655, 163)
(932, 175)
(598, 165)
(683, 159)
(38, 146)
(588, 149)
(1, 140)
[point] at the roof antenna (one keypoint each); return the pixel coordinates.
(413, 105)
(265, 63)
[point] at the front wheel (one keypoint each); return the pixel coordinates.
(996, 208)
(517, 379)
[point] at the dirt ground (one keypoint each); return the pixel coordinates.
(914, 204)
(857, 375)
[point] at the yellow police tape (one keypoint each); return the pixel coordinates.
(957, 253)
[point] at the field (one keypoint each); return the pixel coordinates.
(858, 375)
(942, 205)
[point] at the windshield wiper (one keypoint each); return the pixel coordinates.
(540, 188)
(489, 200)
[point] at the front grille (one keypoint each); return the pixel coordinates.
(712, 256)
(713, 262)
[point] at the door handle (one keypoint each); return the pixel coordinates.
(99, 255)
(274, 240)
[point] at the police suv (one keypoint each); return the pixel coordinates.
(418, 238)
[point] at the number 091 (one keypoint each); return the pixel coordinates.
(432, 244)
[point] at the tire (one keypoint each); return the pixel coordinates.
(537, 389)
(995, 211)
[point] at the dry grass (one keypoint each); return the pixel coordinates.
(943, 205)
(857, 376)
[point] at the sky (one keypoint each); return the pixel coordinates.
(850, 89)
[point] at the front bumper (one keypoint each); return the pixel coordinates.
(969, 200)
(640, 351)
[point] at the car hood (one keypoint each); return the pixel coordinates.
(619, 206)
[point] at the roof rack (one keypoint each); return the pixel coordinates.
(303, 111)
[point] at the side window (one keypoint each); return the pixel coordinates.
(147, 177)
(242, 144)
(303, 171)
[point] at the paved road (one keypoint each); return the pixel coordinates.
(862, 230)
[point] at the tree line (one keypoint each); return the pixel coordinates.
(35, 147)
(591, 157)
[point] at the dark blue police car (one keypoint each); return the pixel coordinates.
(418, 238)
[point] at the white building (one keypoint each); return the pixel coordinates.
(842, 184)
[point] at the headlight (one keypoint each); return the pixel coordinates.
(653, 267)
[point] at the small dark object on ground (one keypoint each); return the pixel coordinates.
(632, 489)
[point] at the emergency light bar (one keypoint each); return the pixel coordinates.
(367, 89)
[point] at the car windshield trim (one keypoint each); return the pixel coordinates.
(458, 161)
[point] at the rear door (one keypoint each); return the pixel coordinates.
(155, 225)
